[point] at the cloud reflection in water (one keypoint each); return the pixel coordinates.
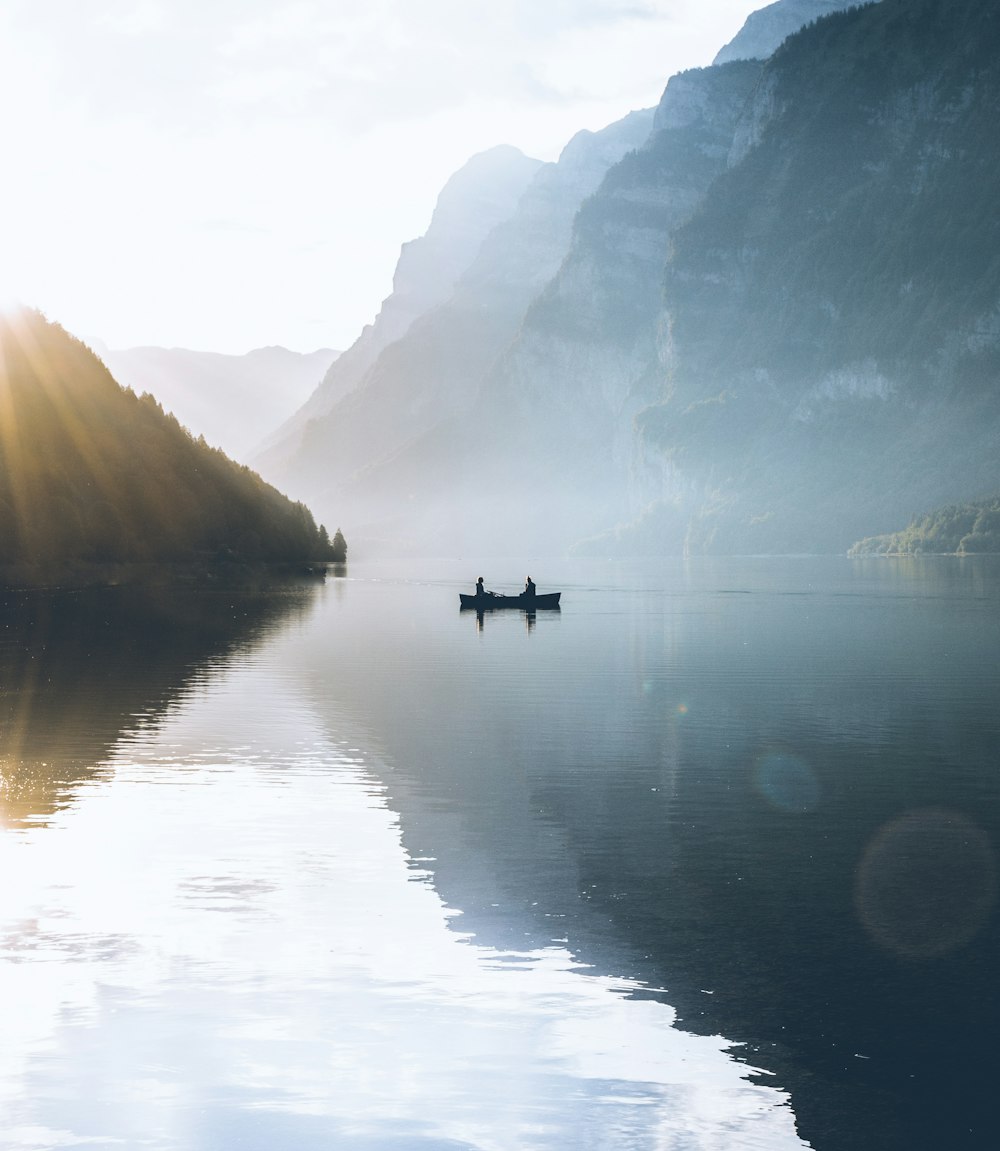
(221, 942)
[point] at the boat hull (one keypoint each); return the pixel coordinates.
(539, 602)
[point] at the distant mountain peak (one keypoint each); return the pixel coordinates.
(233, 401)
(767, 28)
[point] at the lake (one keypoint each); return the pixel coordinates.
(705, 859)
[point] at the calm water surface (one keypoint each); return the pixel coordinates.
(707, 859)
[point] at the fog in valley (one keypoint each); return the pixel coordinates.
(311, 316)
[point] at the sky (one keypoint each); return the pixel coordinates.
(231, 174)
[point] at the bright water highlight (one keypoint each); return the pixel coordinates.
(357, 870)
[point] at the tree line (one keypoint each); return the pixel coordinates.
(961, 529)
(91, 472)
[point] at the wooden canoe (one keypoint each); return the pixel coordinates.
(543, 601)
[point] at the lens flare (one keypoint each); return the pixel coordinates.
(927, 883)
(787, 782)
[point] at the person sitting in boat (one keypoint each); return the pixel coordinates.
(529, 587)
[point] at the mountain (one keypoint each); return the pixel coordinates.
(586, 359)
(765, 29)
(510, 413)
(90, 473)
(434, 370)
(834, 340)
(480, 195)
(233, 401)
(816, 357)
(541, 454)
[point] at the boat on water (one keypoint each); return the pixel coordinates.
(540, 601)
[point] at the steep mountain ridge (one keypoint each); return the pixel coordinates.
(586, 359)
(481, 194)
(433, 372)
(773, 326)
(768, 27)
(832, 307)
(815, 358)
(509, 412)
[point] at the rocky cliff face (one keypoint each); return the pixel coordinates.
(775, 329)
(772, 326)
(433, 372)
(528, 380)
(587, 358)
(552, 424)
(482, 194)
(832, 356)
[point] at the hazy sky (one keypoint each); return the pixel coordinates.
(226, 174)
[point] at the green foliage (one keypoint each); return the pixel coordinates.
(962, 529)
(90, 472)
(338, 549)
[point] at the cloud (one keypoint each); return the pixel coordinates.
(295, 126)
(194, 64)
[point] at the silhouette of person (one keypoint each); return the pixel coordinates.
(529, 587)
(480, 590)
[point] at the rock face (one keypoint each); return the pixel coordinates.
(233, 401)
(771, 326)
(832, 308)
(482, 194)
(540, 447)
(586, 360)
(432, 373)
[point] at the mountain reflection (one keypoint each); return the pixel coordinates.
(80, 668)
(774, 796)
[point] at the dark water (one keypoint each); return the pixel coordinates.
(707, 859)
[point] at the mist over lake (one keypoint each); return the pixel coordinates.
(308, 840)
(705, 858)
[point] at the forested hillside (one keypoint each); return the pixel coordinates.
(962, 529)
(90, 472)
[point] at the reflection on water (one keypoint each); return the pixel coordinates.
(374, 877)
(769, 786)
(79, 667)
(221, 942)
(528, 618)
